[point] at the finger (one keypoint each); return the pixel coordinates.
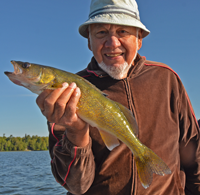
(71, 107)
(51, 99)
(75, 122)
(40, 99)
(62, 101)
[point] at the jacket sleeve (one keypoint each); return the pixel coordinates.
(189, 145)
(73, 167)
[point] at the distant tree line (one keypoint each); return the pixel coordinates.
(23, 143)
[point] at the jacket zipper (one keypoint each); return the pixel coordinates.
(129, 96)
(132, 109)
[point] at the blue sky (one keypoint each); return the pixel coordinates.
(46, 32)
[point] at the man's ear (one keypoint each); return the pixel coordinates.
(89, 45)
(139, 39)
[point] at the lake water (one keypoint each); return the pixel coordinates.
(24, 173)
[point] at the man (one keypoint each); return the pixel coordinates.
(152, 91)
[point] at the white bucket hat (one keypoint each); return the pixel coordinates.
(119, 12)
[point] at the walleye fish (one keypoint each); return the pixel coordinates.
(114, 121)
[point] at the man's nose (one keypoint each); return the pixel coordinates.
(112, 41)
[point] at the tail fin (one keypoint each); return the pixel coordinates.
(148, 164)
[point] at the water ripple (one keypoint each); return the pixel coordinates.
(27, 173)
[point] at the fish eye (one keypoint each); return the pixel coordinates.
(26, 65)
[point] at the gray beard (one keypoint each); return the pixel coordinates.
(117, 73)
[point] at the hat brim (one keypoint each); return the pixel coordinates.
(118, 19)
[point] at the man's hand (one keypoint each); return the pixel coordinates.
(59, 106)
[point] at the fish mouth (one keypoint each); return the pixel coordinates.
(17, 69)
(16, 75)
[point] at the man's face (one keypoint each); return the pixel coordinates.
(114, 44)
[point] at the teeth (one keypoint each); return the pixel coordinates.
(113, 55)
(17, 70)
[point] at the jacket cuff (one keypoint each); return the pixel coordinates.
(70, 147)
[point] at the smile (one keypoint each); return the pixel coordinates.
(114, 55)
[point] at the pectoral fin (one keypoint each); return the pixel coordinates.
(110, 141)
(54, 84)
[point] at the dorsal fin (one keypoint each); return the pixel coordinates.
(131, 119)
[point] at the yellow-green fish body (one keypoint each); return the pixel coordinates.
(113, 120)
